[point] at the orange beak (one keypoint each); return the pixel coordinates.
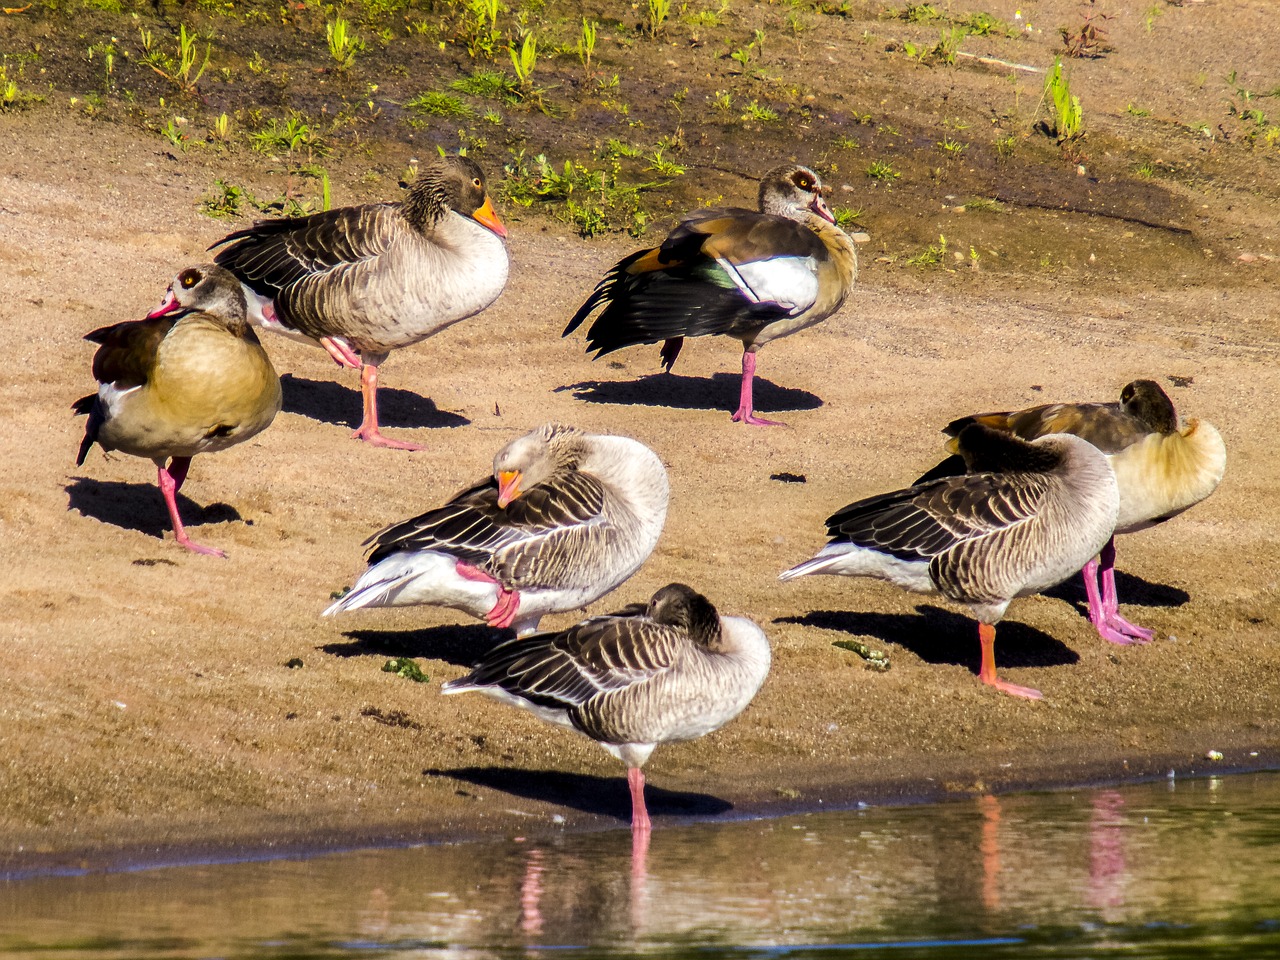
(508, 486)
(486, 216)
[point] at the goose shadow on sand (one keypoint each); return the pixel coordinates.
(1130, 589)
(606, 796)
(463, 645)
(140, 506)
(941, 636)
(331, 402)
(720, 392)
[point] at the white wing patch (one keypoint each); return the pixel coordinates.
(790, 282)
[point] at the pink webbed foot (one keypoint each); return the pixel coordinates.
(201, 548)
(341, 353)
(1014, 690)
(747, 417)
(504, 611)
(1116, 629)
(374, 437)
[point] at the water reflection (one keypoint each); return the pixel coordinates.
(1141, 870)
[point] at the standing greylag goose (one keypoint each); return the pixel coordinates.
(1029, 516)
(363, 281)
(191, 378)
(565, 518)
(1162, 467)
(752, 276)
(669, 670)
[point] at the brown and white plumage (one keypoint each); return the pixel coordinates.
(751, 275)
(672, 669)
(363, 281)
(191, 378)
(1163, 466)
(565, 517)
(1026, 518)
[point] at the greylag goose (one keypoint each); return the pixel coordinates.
(752, 276)
(191, 378)
(565, 518)
(672, 669)
(1162, 467)
(363, 281)
(1028, 517)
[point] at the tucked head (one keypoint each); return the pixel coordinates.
(792, 190)
(452, 183)
(532, 459)
(207, 288)
(1145, 400)
(679, 606)
(987, 450)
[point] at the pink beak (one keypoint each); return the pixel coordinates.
(819, 206)
(167, 306)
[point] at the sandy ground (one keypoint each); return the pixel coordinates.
(145, 701)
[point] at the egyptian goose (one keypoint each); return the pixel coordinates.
(565, 518)
(1162, 466)
(191, 378)
(363, 281)
(1028, 517)
(672, 669)
(752, 276)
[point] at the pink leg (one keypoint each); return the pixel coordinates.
(340, 352)
(1111, 603)
(1103, 609)
(987, 674)
(368, 430)
(505, 609)
(170, 480)
(744, 413)
(639, 815)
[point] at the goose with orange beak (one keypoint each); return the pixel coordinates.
(565, 517)
(363, 281)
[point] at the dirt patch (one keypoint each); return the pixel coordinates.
(150, 698)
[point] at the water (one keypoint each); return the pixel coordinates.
(1164, 870)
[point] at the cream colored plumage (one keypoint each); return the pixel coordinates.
(191, 378)
(1163, 466)
(566, 517)
(672, 669)
(1028, 516)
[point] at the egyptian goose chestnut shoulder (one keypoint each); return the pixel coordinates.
(1029, 516)
(191, 378)
(672, 669)
(1163, 466)
(565, 517)
(363, 281)
(753, 276)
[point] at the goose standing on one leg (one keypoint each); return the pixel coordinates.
(752, 276)
(1162, 467)
(363, 281)
(669, 670)
(565, 518)
(191, 378)
(1028, 517)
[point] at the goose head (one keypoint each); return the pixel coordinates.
(679, 606)
(1144, 400)
(534, 458)
(794, 191)
(206, 288)
(451, 183)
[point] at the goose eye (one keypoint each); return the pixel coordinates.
(190, 279)
(475, 182)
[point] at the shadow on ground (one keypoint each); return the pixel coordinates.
(140, 506)
(607, 796)
(692, 393)
(461, 645)
(942, 636)
(331, 402)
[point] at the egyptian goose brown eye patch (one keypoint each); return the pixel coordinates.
(189, 279)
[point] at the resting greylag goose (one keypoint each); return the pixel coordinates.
(1028, 517)
(565, 518)
(191, 378)
(1162, 467)
(672, 669)
(752, 276)
(363, 281)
